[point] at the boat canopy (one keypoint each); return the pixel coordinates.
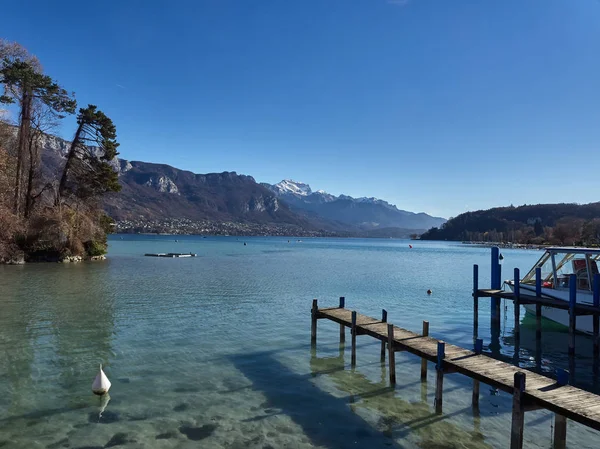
(559, 263)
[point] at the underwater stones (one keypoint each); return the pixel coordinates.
(62, 443)
(167, 435)
(119, 439)
(198, 433)
(181, 407)
(186, 389)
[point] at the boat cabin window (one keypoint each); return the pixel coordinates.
(557, 267)
(545, 263)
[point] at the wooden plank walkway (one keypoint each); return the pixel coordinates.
(540, 391)
(580, 309)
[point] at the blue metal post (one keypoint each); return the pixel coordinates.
(517, 304)
(475, 301)
(596, 319)
(572, 312)
(562, 376)
(538, 318)
(478, 346)
(495, 302)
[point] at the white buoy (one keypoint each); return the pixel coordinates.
(101, 383)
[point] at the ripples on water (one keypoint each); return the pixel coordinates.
(215, 349)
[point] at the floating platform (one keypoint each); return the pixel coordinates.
(170, 255)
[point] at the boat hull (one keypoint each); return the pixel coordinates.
(584, 323)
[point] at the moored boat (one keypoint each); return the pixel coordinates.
(557, 265)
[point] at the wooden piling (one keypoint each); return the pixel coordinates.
(353, 331)
(518, 412)
(560, 432)
(560, 421)
(439, 384)
(475, 397)
(342, 327)
(424, 360)
(572, 314)
(392, 354)
(313, 327)
(475, 301)
(383, 320)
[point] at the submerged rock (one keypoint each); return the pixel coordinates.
(198, 433)
(181, 407)
(119, 439)
(167, 435)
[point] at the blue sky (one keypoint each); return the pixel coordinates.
(439, 106)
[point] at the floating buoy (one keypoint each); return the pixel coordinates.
(429, 292)
(244, 243)
(410, 246)
(101, 383)
(501, 257)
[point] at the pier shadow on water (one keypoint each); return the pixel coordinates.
(337, 422)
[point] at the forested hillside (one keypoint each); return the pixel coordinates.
(560, 224)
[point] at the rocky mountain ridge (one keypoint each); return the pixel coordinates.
(362, 213)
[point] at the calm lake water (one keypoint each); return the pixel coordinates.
(214, 351)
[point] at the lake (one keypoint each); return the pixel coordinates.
(214, 351)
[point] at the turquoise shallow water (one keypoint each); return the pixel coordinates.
(214, 351)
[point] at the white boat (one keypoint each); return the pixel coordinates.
(557, 265)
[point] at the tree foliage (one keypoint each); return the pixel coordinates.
(40, 218)
(560, 224)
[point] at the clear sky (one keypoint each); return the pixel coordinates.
(439, 106)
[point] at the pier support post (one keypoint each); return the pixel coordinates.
(538, 319)
(475, 301)
(560, 432)
(342, 327)
(439, 384)
(560, 421)
(496, 283)
(475, 398)
(596, 327)
(392, 354)
(518, 412)
(313, 328)
(572, 313)
(517, 304)
(353, 358)
(424, 360)
(383, 320)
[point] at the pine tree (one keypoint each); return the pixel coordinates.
(88, 168)
(24, 83)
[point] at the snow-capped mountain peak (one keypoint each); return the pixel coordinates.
(294, 187)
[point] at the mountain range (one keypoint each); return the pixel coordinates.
(157, 191)
(360, 213)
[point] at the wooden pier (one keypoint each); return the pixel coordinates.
(530, 391)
